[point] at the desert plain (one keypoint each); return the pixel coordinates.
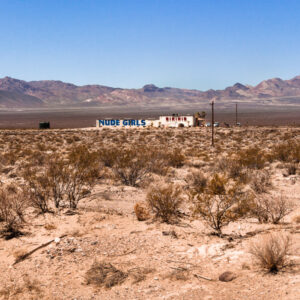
(150, 213)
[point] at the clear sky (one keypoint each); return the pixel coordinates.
(129, 43)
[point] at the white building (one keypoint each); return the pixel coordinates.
(172, 121)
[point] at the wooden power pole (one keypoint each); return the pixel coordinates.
(212, 123)
(236, 114)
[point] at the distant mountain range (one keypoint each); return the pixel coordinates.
(19, 94)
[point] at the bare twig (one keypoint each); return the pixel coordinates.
(202, 277)
(181, 262)
(179, 268)
(23, 257)
(126, 253)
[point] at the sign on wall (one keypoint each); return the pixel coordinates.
(117, 122)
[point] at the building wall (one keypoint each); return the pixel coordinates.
(176, 121)
(163, 121)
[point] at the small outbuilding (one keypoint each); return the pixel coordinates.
(44, 125)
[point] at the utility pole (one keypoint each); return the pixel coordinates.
(236, 114)
(212, 123)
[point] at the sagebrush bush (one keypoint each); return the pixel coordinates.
(165, 201)
(57, 176)
(268, 208)
(176, 158)
(81, 174)
(12, 206)
(252, 158)
(196, 181)
(159, 161)
(108, 156)
(271, 251)
(131, 166)
(288, 151)
(260, 181)
(221, 202)
(38, 190)
(296, 219)
(291, 168)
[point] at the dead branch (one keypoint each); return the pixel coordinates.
(202, 277)
(126, 253)
(23, 257)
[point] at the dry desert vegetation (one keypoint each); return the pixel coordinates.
(150, 214)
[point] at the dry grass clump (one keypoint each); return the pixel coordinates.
(180, 274)
(268, 208)
(104, 274)
(165, 201)
(271, 251)
(221, 202)
(141, 212)
(17, 291)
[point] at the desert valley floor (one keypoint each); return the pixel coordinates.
(94, 246)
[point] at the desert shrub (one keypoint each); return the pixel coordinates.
(252, 158)
(221, 202)
(165, 201)
(268, 208)
(37, 158)
(9, 158)
(271, 251)
(108, 156)
(82, 171)
(196, 181)
(159, 161)
(12, 206)
(288, 151)
(260, 181)
(176, 158)
(131, 166)
(104, 274)
(291, 169)
(233, 168)
(57, 177)
(141, 212)
(38, 190)
(296, 219)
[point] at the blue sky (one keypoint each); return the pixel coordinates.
(186, 44)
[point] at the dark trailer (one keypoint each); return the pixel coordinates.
(44, 125)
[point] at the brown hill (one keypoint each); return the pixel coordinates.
(18, 100)
(54, 94)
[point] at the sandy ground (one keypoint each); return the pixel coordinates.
(162, 261)
(107, 230)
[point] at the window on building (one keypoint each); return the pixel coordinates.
(184, 118)
(179, 119)
(173, 119)
(167, 119)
